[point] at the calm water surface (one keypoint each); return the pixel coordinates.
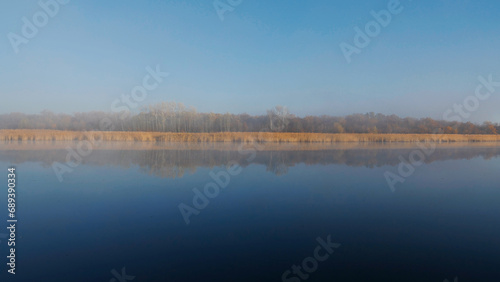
(120, 209)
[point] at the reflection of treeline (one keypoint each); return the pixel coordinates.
(175, 163)
(175, 117)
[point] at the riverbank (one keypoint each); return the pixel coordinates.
(25, 135)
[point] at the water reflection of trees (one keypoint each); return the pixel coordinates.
(175, 163)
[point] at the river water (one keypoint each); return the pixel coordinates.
(208, 212)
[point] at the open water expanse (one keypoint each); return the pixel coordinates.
(177, 212)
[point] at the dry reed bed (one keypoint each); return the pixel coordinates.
(247, 137)
(230, 146)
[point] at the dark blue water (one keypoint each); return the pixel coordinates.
(120, 209)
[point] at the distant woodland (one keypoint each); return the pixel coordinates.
(175, 117)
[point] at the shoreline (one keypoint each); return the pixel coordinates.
(33, 135)
(232, 146)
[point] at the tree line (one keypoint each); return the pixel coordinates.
(175, 117)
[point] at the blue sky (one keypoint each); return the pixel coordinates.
(262, 54)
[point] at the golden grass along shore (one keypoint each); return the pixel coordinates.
(246, 137)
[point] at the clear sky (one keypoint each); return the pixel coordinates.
(263, 53)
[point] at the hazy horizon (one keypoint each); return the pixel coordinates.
(263, 113)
